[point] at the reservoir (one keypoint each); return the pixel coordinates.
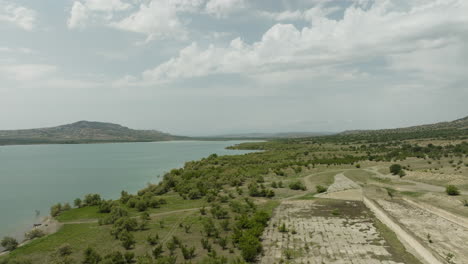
(34, 177)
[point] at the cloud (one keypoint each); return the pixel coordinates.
(20, 16)
(26, 72)
(78, 16)
(16, 50)
(383, 31)
(82, 11)
(316, 12)
(106, 5)
(156, 20)
(222, 8)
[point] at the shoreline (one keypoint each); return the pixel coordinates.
(48, 225)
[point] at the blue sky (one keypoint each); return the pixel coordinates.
(200, 67)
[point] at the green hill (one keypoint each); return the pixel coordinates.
(82, 132)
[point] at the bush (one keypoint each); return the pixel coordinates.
(297, 185)
(35, 233)
(127, 239)
(9, 243)
(64, 250)
(77, 202)
(321, 189)
(395, 169)
(55, 210)
(452, 190)
(92, 199)
(91, 256)
(250, 246)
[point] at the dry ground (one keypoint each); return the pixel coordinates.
(325, 231)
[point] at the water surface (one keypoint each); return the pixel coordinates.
(34, 177)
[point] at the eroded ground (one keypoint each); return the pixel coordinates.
(436, 231)
(325, 231)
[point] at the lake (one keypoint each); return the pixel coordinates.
(34, 177)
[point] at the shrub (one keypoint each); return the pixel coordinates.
(64, 250)
(188, 253)
(92, 199)
(320, 189)
(395, 169)
(282, 228)
(77, 202)
(35, 233)
(297, 185)
(250, 246)
(141, 206)
(9, 243)
(55, 209)
(401, 173)
(358, 165)
(157, 251)
(127, 239)
(91, 256)
(105, 206)
(153, 239)
(452, 190)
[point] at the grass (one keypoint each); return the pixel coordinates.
(411, 194)
(396, 247)
(359, 175)
(323, 178)
(90, 212)
(174, 202)
(308, 196)
(79, 236)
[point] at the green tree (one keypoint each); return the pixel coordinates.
(452, 190)
(250, 246)
(127, 239)
(395, 169)
(77, 202)
(91, 256)
(9, 243)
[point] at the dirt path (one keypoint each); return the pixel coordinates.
(343, 189)
(344, 184)
(415, 186)
(154, 215)
(407, 239)
(458, 220)
(438, 233)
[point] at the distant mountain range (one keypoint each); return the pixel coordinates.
(82, 132)
(100, 132)
(272, 135)
(456, 125)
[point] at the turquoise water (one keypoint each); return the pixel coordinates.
(34, 177)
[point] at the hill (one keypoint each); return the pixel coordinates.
(271, 135)
(82, 132)
(456, 127)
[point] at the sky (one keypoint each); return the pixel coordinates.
(206, 67)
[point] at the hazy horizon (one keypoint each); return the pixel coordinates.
(214, 67)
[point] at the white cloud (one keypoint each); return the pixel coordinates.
(222, 8)
(381, 31)
(16, 50)
(26, 72)
(316, 12)
(106, 5)
(82, 11)
(157, 20)
(21, 16)
(78, 16)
